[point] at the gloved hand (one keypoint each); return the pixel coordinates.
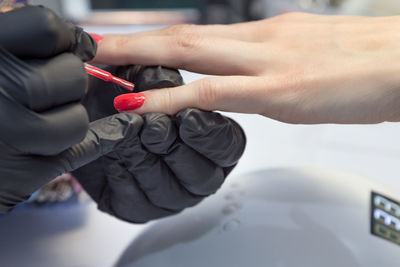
(37, 32)
(45, 130)
(173, 164)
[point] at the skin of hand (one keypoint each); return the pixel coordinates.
(295, 68)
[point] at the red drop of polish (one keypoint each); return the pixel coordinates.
(97, 37)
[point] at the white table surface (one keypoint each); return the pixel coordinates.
(79, 235)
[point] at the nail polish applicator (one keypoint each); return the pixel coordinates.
(108, 77)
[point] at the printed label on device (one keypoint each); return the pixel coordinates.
(385, 218)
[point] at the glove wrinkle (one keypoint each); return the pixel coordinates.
(103, 137)
(159, 133)
(125, 191)
(202, 179)
(87, 51)
(227, 140)
(17, 74)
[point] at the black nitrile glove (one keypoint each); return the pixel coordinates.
(37, 32)
(44, 130)
(172, 165)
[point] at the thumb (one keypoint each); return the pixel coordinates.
(102, 138)
(228, 93)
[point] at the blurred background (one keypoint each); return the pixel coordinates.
(71, 232)
(213, 11)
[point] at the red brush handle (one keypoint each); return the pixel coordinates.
(108, 77)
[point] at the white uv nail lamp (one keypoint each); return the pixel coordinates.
(279, 218)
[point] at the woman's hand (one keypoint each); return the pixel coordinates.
(296, 68)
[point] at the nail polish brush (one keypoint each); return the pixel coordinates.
(108, 77)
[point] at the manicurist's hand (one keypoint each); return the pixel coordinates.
(44, 129)
(296, 68)
(172, 164)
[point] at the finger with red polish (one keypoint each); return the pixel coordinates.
(128, 102)
(228, 93)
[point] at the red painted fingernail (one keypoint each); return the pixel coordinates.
(97, 37)
(129, 101)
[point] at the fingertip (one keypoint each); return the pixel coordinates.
(86, 46)
(139, 103)
(129, 102)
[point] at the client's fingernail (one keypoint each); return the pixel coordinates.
(129, 101)
(97, 37)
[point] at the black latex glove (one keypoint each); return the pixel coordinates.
(173, 164)
(45, 130)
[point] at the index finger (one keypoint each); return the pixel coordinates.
(192, 52)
